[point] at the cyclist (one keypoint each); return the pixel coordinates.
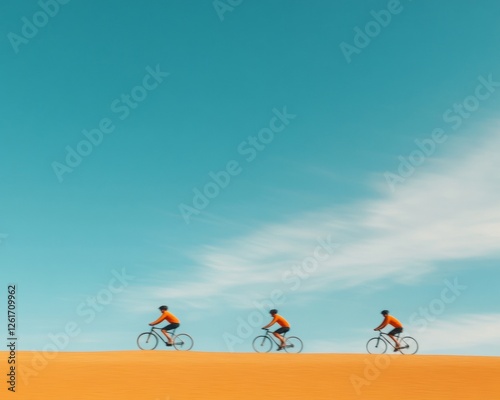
(390, 320)
(285, 327)
(171, 319)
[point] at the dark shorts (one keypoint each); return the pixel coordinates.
(169, 327)
(396, 331)
(282, 330)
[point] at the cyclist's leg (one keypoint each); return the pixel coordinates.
(392, 334)
(169, 327)
(169, 338)
(277, 333)
(280, 338)
(394, 340)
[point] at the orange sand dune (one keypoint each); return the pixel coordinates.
(174, 375)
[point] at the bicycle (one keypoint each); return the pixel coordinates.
(264, 343)
(149, 340)
(378, 345)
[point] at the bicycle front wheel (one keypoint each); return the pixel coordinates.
(183, 341)
(293, 345)
(376, 346)
(262, 344)
(408, 345)
(147, 341)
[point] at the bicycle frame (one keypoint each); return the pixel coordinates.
(162, 336)
(265, 342)
(271, 335)
(385, 339)
(383, 336)
(273, 338)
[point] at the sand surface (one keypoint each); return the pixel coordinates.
(173, 375)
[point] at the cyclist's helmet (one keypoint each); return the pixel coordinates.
(384, 312)
(273, 311)
(163, 308)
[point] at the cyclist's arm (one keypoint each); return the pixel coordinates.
(382, 325)
(270, 323)
(157, 321)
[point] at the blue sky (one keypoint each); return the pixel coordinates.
(345, 182)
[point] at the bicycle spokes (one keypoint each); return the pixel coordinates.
(376, 345)
(183, 341)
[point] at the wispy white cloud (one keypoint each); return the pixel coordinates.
(447, 211)
(464, 334)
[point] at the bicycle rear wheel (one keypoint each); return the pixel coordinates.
(262, 344)
(147, 341)
(376, 345)
(293, 345)
(408, 345)
(183, 341)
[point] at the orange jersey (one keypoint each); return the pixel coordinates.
(390, 320)
(165, 315)
(280, 321)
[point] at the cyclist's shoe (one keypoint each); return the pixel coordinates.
(169, 344)
(280, 348)
(397, 349)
